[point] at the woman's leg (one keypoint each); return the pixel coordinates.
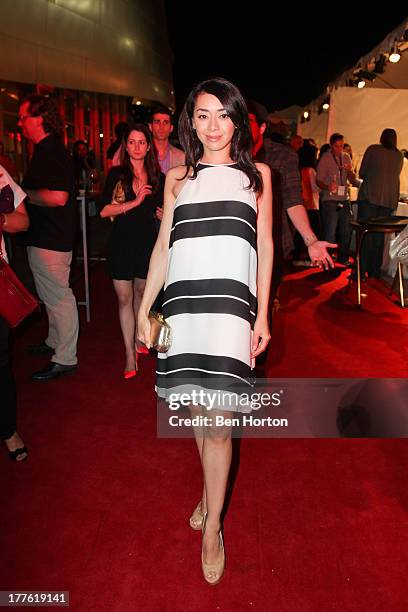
(124, 292)
(216, 459)
(199, 438)
(138, 290)
(8, 426)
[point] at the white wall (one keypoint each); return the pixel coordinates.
(361, 115)
(315, 128)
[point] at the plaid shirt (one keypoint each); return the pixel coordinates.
(284, 160)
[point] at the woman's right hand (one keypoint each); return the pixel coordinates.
(144, 191)
(143, 329)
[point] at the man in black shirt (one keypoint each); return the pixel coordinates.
(49, 184)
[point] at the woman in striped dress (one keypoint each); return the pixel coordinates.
(214, 256)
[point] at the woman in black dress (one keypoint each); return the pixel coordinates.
(134, 229)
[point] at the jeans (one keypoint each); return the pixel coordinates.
(371, 254)
(7, 387)
(336, 217)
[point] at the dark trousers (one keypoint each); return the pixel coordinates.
(336, 218)
(7, 387)
(371, 255)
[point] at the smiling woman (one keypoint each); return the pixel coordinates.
(214, 256)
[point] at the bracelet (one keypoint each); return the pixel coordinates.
(309, 240)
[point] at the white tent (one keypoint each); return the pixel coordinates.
(361, 114)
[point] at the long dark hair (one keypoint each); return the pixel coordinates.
(233, 102)
(150, 161)
(388, 138)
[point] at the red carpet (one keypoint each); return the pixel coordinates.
(323, 333)
(101, 507)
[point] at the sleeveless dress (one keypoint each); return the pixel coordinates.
(134, 234)
(210, 287)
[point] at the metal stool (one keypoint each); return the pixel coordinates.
(385, 225)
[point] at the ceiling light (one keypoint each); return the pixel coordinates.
(361, 83)
(306, 114)
(326, 106)
(394, 56)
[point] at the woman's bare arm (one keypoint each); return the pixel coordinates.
(158, 261)
(114, 209)
(261, 335)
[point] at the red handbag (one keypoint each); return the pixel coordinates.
(16, 302)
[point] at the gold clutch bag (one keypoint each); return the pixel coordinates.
(160, 332)
(118, 195)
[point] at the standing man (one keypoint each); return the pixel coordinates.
(333, 173)
(168, 156)
(161, 127)
(49, 184)
(378, 196)
(284, 160)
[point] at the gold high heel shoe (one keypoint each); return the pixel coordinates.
(213, 572)
(196, 519)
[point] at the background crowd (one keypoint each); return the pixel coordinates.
(311, 213)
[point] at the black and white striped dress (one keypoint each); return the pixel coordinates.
(210, 288)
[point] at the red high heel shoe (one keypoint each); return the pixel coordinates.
(127, 374)
(142, 350)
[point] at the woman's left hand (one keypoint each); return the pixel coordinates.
(260, 337)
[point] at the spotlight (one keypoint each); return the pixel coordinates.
(394, 56)
(306, 115)
(361, 83)
(325, 105)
